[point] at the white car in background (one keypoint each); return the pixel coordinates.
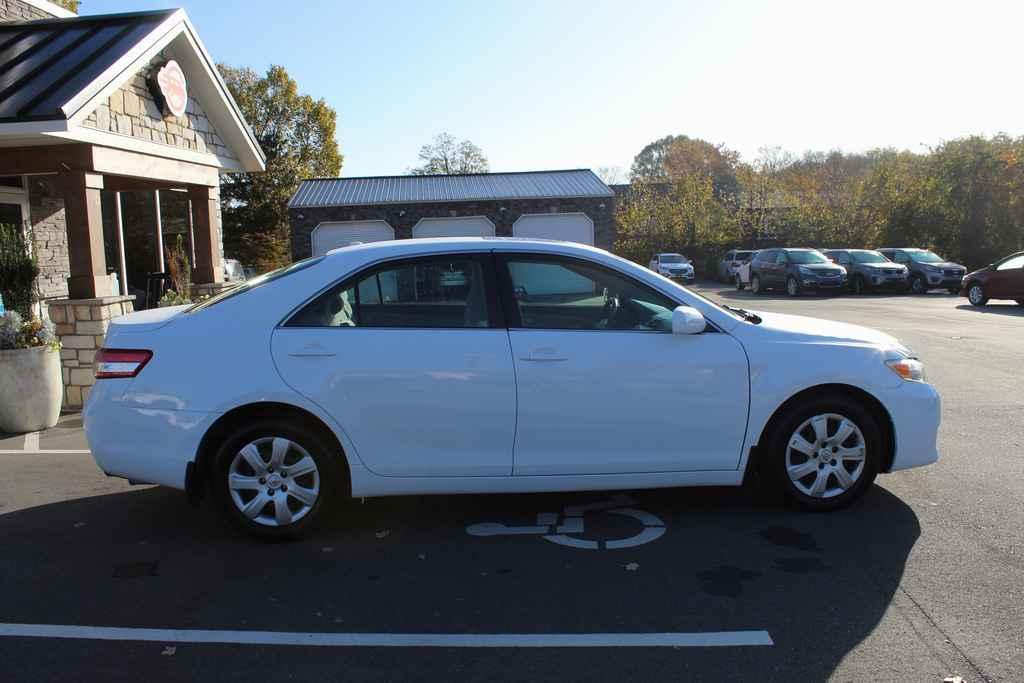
(673, 266)
(549, 366)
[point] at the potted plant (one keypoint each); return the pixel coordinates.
(31, 386)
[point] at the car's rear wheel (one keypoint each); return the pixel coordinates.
(792, 286)
(824, 453)
(976, 294)
(274, 479)
(918, 285)
(755, 284)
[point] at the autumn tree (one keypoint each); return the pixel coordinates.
(445, 155)
(297, 134)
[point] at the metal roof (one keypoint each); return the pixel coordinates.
(45, 63)
(413, 189)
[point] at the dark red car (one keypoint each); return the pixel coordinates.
(1004, 279)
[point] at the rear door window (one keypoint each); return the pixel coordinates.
(433, 292)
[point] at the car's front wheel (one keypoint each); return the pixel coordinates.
(792, 286)
(918, 285)
(274, 479)
(824, 453)
(976, 294)
(859, 286)
(755, 284)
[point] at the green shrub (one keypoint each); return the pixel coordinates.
(18, 270)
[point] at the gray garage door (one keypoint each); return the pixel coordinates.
(571, 227)
(464, 226)
(332, 235)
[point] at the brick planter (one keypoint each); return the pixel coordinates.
(81, 326)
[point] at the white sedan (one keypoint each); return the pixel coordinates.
(476, 365)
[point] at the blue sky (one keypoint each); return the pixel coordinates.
(568, 84)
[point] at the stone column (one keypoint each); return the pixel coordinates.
(81, 326)
(206, 230)
(86, 257)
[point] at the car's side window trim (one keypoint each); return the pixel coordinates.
(495, 316)
(510, 308)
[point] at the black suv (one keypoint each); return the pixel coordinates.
(795, 270)
(928, 270)
(868, 270)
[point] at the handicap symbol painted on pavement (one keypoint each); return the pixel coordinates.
(556, 528)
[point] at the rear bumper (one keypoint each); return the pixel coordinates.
(144, 445)
(916, 412)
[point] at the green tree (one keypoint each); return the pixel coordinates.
(69, 5)
(297, 135)
(445, 156)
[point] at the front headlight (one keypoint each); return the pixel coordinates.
(910, 369)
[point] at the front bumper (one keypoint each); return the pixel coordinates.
(823, 283)
(680, 277)
(151, 446)
(883, 282)
(942, 281)
(916, 412)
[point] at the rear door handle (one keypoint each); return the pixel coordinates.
(544, 355)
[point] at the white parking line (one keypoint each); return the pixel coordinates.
(475, 640)
(45, 451)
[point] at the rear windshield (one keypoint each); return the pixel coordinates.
(867, 257)
(255, 282)
(808, 256)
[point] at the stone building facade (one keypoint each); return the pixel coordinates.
(132, 110)
(19, 10)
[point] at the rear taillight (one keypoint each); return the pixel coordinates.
(112, 363)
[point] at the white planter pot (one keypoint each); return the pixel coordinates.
(31, 389)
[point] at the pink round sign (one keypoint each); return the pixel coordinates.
(171, 80)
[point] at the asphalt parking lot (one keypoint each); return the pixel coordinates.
(919, 581)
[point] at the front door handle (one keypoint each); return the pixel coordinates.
(544, 355)
(312, 351)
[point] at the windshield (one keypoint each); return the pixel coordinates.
(808, 256)
(742, 255)
(867, 257)
(925, 257)
(672, 258)
(255, 282)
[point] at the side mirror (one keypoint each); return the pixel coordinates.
(686, 320)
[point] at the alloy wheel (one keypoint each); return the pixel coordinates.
(755, 284)
(825, 456)
(917, 285)
(273, 481)
(792, 288)
(976, 295)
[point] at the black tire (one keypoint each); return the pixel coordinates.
(953, 290)
(858, 285)
(329, 470)
(792, 286)
(773, 461)
(739, 284)
(976, 294)
(755, 284)
(918, 285)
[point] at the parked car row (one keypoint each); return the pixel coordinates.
(865, 270)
